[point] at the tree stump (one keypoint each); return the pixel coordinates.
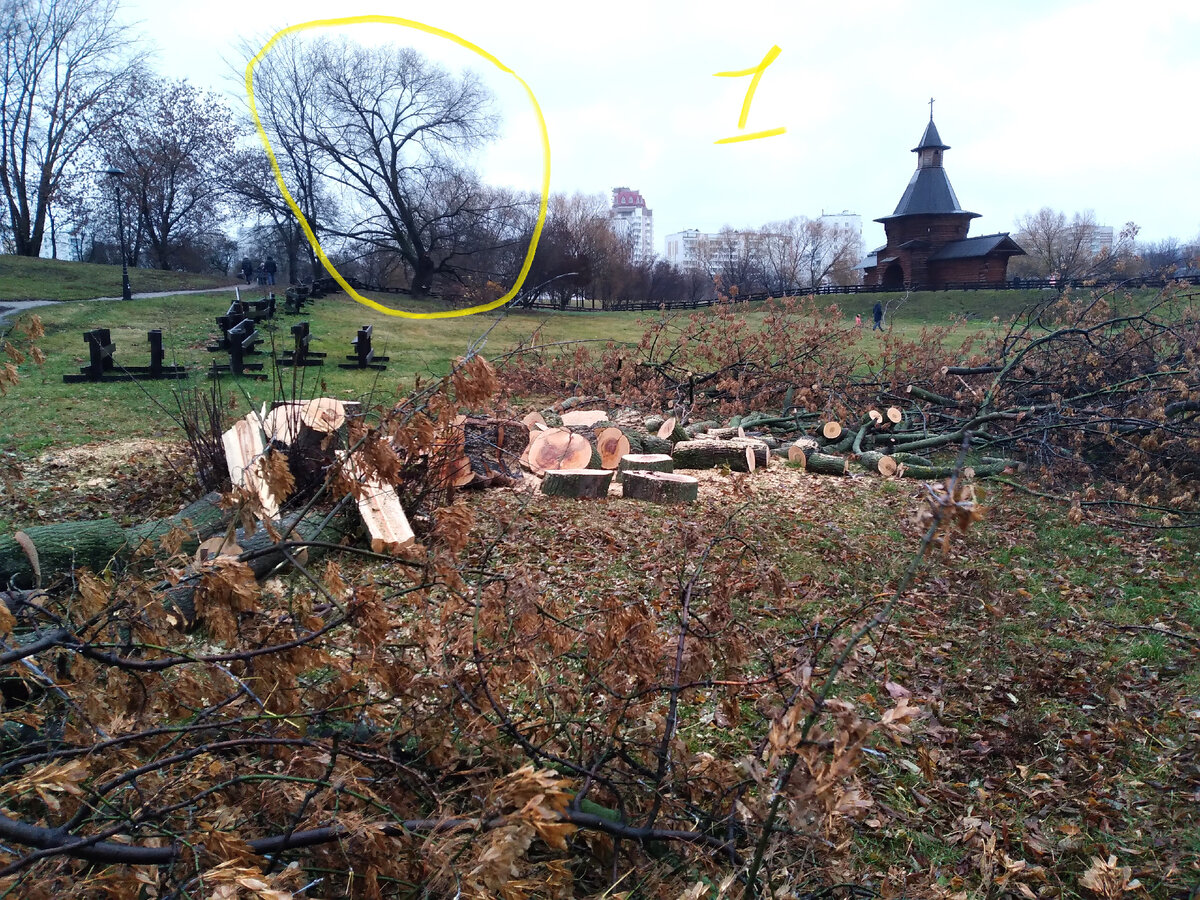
(706, 454)
(660, 487)
(581, 484)
(646, 462)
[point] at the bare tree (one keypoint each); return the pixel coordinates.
(172, 143)
(802, 253)
(64, 64)
(1058, 247)
(390, 131)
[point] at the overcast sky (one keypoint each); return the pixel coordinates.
(1072, 105)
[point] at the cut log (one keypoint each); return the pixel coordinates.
(324, 414)
(894, 415)
(660, 487)
(282, 424)
(646, 462)
(586, 418)
(707, 454)
(613, 445)
(930, 473)
(582, 484)
(750, 462)
(493, 448)
(827, 464)
(559, 449)
(533, 419)
(831, 431)
(316, 526)
(653, 423)
(380, 509)
(806, 445)
(666, 428)
(874, 461)
(721, 434)
(60, 548)
(245, 448)
(796, 455)
(652, 443)
(875, 416)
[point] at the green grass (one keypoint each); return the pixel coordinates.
(26, 278)
(43, 411)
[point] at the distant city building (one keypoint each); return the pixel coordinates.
(710, 252)
(927, 243)
(683, 248)
(1099, 239)
(633, 223)
(845, 221)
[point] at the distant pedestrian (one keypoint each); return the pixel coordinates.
(262, 274)
(857, 320)
(271, 269)
(247, 268)
(878, 314)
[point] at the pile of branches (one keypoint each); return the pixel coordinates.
(1095, 387)
(424, 726)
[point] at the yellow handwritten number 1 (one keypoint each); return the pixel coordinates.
(756, 75)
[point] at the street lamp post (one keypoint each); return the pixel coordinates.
(117, 174)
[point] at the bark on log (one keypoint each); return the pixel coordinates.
(312, 527)
(646, 462)
(653, 423)
(493, 448)
(586, 418)
(874, 461)
(68, 545)
(581, 484)
(706, 454)
(826, 464)
(653, 444)
(930, 473)
(660, 487)
(806, 445)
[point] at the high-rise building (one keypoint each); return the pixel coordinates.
(633, 223)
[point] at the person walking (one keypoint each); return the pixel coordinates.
(858, 321)
(878, 314)
(247, 268)
(271, 269)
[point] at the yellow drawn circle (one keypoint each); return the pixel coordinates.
(312, 238)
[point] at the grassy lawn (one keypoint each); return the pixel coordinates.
(23, 278)
(42, 411)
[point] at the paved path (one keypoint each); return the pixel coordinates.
(8, 307)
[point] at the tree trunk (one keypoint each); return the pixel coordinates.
(660, 487)
(706, 454)
(826, 464)
(69, 545)
(874, 461)
(578, 483)
(310, 528)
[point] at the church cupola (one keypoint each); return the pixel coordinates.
(929, 151)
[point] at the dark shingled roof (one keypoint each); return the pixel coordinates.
(973, 248)
(931, 138)
(929, 191)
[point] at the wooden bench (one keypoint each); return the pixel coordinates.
(364, 354)
(300, 355)
(102, 367)
(239, 341)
